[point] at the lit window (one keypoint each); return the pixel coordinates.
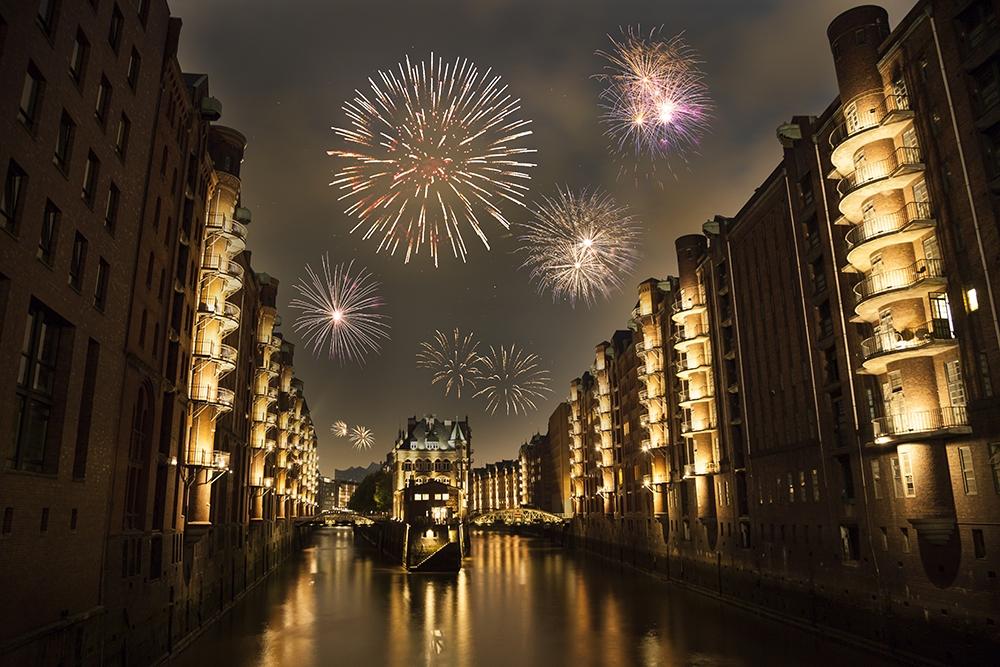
(906, 470)
(968, 471)
(971, 300)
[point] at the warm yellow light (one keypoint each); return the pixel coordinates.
(971, 300)
(337, 316)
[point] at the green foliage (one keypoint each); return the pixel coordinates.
(374, 494)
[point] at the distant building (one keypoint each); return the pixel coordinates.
(431, 449)
(497, 486)
(530, 459)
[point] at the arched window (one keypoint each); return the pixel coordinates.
(445, 466)
(407, 466)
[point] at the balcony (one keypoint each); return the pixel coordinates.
(906, 225)
(936, 423)
(688, 335)
(233, 231)
(691, 302)
(875, 123)
(224, 269)
(222, 355)
(203, 458)
(689, 470)
(227, 314)
(221, 398)
(928, 338)
(877, 290)
(697, 426)
(688, 397)
(688, 367)
(904, 166)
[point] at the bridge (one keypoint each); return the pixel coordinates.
(343, 516)
(515, 516)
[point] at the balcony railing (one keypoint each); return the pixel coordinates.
(219, 352)
(868, 172)
(689, 299)
(227, 226)
(883, 225)
(689, 332)
(684, 365)
(221, 308)
(876, 283)
(925, 421)
(204, 458)
(209, 394)
(685, 395)
(223, 265)
(866, 119)
(697, 425)
(908, 339)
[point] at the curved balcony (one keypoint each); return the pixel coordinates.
(691, 302)
(904, 166)
(685, 369)
(222, 355)
(220, 398)
(875, 123)
(697, 426)
(204, 458)
(227, 314)
(906, 225)
(940, 422)
(688, 397)
(688, 335)
(926, 339)
(224, 269)
(877, 290)
(232, 230)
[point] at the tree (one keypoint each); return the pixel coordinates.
(374, 494)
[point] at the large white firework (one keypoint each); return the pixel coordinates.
(656, 103)
(340, 428)
(362, 437)
(453, 359)
(579, 245)
(432, 148)
(340, 311)
(512, 379)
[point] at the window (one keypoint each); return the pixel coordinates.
(64, 142)
(143, 11)
(111, 209)
(101, 285)
(984, 375)
(44, 527)
(136, 472)
(904, 534)
(906, 470)
(13, 197)
(116, 28)
(971, 300)
(802, 486)
(849, 542)
(920, 192)
(31, 97)
(968, 471)
(8, 520)
(50, 230)
(897, 479)
(978, 543)
(36, 448)
(77, 261)
(956, 387)
(986, 85)
(103, 101)
(78, 57)
(815, 485)
(876, 479)
(976, 23)
(74, 517)
(134, 62)
(995, 464)
(884, 534)
(90, 174)
(47, 15)
(121, 135)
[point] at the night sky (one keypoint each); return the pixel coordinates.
(283, 70)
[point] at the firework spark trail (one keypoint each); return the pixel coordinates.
(513, 380)
(340, 311)
(655, 102)
(579, 245)
(362, 437)
(430, 149)
(454, 360)
(339, 428)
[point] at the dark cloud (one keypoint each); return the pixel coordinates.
(283, 69)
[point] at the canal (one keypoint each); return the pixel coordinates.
(518, 601)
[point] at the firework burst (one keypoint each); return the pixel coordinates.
(431, 149)
(513, 380)
(579, 245)
(362, 437)
(453, 359)
(340, 428)
(655, 101)
(340, 311)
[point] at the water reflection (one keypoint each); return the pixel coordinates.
(518, 601)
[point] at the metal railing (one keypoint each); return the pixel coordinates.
(697, 425)
(914, 337)
(689, 299)
(689, 332)
(209, 394)
(875, 283)
(216, 351)
(924, 421)
(223, 265)
(890, 223)
(866, 119)
(225, 225)
(869, 172)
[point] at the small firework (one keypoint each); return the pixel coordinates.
(453, 359)
(513, 380)
(431, 149)
(340, 428)
(340, 311)
(362, 437)
(579, 245)
(655, 101)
